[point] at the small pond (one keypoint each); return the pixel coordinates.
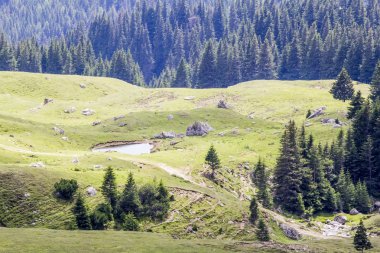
(130, 149)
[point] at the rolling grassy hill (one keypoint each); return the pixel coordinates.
(250, 129)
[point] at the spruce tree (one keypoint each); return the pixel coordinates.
(266, 66)
(109, 188)
(261, 180)
(363, 200)
(207, 69)
(182, 78)
(129, 200)
(343, 88)
(375, 84)
(288, 172)
(331, 204)
(355, 105)
(262, 232)
(81, 215)
(212, 160)
(361, 240)
(254, 210)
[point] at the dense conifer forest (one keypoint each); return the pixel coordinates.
(199, 43)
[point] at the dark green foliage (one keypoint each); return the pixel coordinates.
(308, 114)
(182, 78)
(343, 88)
(288, 173)
(212, 160)
(109, 188)
(331, 204)
(254, 210)
(130, 223)
(261, 179)
(81, 214)
(361, 240)
(129, 200)
(262, 232)
(363, 201)
(375, 84)
(155, 201)
(355, 105)
(66, 189)
(101, 216)
(207, 75)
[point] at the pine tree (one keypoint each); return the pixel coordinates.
(129, 200)
(130, 223)
(254, 210)
(266, 66)
(212, 160)
(331, 204)
(363, 200)
(288, 173)
(375, 84)
(355, 105)
(109, 188)
(343, 88)
(262, 232)
(81, 214)
(361, 241)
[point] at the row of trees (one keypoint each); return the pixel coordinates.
(212, 43)
(150, 201)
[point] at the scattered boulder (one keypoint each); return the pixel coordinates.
(75, 160)
(82, 86)
(48, 100)
(290, 232)
(27, 195)
(354, 211)
(190, 229)
(91, 191)
(118, 117)
(308, 124)
(198, 129)
(70, 110)
(37, 165)
(59, 130)
(328, 121)
(123, 124)
(170, 117)
(223, 105)
(190, 98)
(318, 112)
(377, 204)
(337, 126)
(165, 135)
(88, 112)
(98, 166)
(341, 219)
(96, 123)
(64, 138)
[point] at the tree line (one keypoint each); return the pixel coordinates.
(212, 43)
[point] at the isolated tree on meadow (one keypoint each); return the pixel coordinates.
(81, 214)
(361, 241)
(212, 160)
(109, 188)
(343, 87)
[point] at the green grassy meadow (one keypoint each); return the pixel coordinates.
(250, 129)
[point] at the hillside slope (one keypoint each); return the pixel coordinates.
(250, 129)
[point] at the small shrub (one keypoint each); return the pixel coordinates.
(308, 114)
(130, 223)
(101, 217)
(65, 189)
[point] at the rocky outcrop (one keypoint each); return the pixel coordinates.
(354, 211)
(170, 117)
(91, 191)
(118, 117)
(96, 123)
(290, 232)
(223, 105)
(318, 112)
(88, 112)
(341, 219)
(165, 135)
(37, 165)
(198, 129)
(123, 124)
(70, 110)
(59, 130)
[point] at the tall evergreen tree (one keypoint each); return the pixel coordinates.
(182, 78)
(355, 105)
(81, 214)
(262, 232)
(361, 240)
(212, 160)
(129, 200)
(109, 188)
(343, 88)
(375, 84)
(207, 69)
(261, 181)
(254, 210)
